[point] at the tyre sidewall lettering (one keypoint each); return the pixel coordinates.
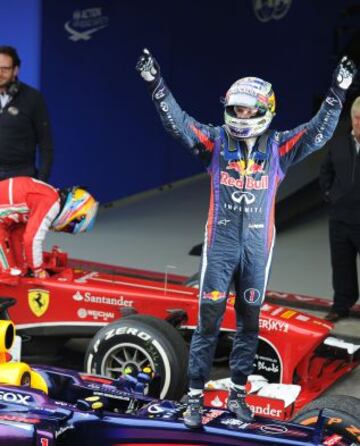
(337, 425)
(156, 351)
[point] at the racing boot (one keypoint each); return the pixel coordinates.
(193, 413)
(236, 404)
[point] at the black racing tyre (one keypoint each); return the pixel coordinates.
(345, 416)
(138, 341)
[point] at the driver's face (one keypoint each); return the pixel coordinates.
(245, 112)
(8, 71)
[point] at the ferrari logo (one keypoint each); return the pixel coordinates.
(38, 301)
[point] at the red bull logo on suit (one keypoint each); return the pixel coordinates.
(244, 182)
(245, 168)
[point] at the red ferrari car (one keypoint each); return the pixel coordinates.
(138, 318)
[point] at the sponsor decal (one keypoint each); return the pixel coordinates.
(267, 365)
(288, 314)
(38, 300)
(318, 138)
(112, 395)
(234, 422)
(245, 209)
(332, 440)
(322, 129)
(171, 121)
(214, 295)
(19, 419)
(17, 398)
(126, 330)
(277, 311)
(266, 10)
(266, 410)
(156, 409)
(256, 226)
(273, 325)
(160, 93)
(82, 313)
(302, 318)
(78, 296)
(273, 429)
(216, 402)
(86, 22)
(331, 100)
(223, 222)
(164, 106)
(278, 429)
(353, 430)
(61, 403)
(95, 314)
(245, 168)
(244, 182)
(243, 197)
(267, 362)
(87, 297)
(211, 415)
(252, 295)
(61, 430)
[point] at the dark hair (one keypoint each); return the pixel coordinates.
(11, 51)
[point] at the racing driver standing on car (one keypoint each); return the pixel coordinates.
(246, 162)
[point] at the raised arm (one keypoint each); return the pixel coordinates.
(296, 144)
(197, 137)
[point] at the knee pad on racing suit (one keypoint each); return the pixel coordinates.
(211, 315)
(247, 317)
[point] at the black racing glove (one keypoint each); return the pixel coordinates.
(344, 73)
(148, 67)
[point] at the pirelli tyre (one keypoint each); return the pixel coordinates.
(344, 419)
(139, 341)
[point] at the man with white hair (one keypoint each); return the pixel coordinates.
(340, 183)
(246, 162)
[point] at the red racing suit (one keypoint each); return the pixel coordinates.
(240, 230)
(27, 209)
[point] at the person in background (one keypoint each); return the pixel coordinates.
(29, 208)
(24, 124)
(340, 184)
(246, 162)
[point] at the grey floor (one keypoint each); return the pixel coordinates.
(156, 230)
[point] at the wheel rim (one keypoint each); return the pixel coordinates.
(125, 358)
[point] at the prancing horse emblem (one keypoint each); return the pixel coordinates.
(38, 301)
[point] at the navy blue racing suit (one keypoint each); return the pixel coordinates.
(240, 230)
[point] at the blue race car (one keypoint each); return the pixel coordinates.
(54, 406)
(46, 406)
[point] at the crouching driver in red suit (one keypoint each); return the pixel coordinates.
(29, 208)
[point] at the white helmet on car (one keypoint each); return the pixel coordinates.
(249, 92)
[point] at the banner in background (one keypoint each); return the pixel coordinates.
(107, 133)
